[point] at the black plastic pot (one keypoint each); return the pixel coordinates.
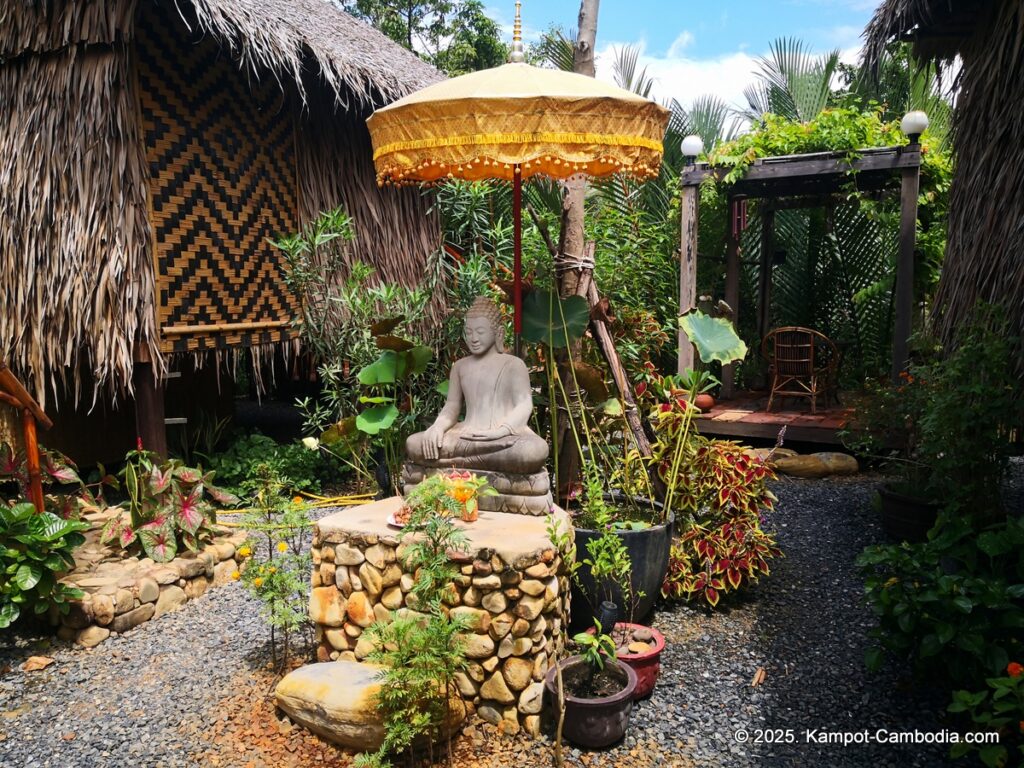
(648, 552)
(593, 723)
(906, 518)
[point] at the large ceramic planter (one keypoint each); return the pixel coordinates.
(647, 665)
(648, 552)
(906, 518)
(599, 722)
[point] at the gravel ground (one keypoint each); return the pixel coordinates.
(146, 698)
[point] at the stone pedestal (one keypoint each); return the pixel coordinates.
(512, 590)
(517, 494)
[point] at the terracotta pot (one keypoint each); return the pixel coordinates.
(705, 402)
(646, 665)
(470, 511)
(906, 518)
(593, 723)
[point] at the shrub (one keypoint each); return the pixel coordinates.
(297, 467)
(1000, 709)
(34, 550)
(954, 606)
(278, 569)
(420, 654)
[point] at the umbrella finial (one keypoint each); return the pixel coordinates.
(517, 55)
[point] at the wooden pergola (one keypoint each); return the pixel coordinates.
(801, 181)
(14, 394)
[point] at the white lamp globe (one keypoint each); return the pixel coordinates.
(692, 145)
(914, 123)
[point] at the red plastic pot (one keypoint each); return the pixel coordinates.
(646, 665)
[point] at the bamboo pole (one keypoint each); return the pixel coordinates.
(35, 481)
(179, 330)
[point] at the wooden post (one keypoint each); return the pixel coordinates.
(905, 271)
(35, 482)
(687, 269)
(764, 283)
(606, 344)
(732, 288)
(149, 410)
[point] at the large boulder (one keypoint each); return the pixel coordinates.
(336, 700)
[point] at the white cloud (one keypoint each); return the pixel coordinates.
(684, 78)
(681, 43)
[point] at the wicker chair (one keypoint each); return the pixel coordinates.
(801, 363)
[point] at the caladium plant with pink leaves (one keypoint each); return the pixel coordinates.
(58, 473)
(168, 507)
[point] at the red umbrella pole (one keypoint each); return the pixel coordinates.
(517, 250)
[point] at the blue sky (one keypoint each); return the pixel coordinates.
(692, 47)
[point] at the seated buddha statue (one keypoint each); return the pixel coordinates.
(494, 438)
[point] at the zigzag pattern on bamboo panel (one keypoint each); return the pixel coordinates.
(221, 160)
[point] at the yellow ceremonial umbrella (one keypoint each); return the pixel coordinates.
(513, 122)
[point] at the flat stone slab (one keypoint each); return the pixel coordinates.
(509, 535)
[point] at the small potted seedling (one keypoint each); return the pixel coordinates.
(597, 692)
(636, 645)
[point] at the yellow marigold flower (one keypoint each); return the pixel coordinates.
(282, 546)
(296, 499)
(235, 575)
(245, 551)
(257, 582)
(272, 569)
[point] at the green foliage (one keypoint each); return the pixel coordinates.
(421, 652)
(348, 317)
(945, 425)
(34, 550)
(553, 320)
(714, 337)
(1000, 708)
(595, 647)
(167, 506)
(612, 571)
(298, 467)
(456, 37)
(953, 606)
(792, 83)
(277, 571)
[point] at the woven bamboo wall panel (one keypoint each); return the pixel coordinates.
(220, 150)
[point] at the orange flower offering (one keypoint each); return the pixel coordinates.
(1013, 669)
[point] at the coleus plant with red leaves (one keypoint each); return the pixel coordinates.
(724, 547)
(168, 507)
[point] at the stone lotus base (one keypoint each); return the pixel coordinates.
(512, 590)
(517, 494)
(121, 593)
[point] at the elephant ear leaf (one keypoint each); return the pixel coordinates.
(714, 337)
(549, 319)
(384, 370)
(373, 420)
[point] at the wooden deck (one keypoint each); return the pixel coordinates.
(745, 416)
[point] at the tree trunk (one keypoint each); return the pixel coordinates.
(574, 264)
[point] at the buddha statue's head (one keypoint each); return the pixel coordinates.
(484, 327)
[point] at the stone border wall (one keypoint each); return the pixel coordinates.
(122, 594)
(514, 610)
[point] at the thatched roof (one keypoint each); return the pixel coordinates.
(76, 262)
(984, 260)
(937, 28)
(283, 36)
